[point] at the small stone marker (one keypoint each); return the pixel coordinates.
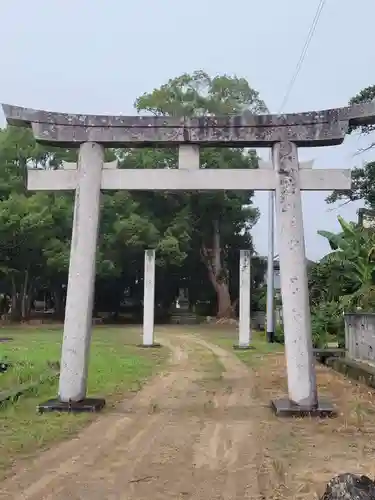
(244, 328)
(149, 300)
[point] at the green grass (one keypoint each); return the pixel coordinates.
(116, 366)
(227, 337)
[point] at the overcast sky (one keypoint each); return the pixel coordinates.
(95, 56)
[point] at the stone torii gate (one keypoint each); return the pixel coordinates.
(283, 133)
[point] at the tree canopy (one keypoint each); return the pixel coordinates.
(363, 178)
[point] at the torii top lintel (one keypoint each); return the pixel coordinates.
(314, 128)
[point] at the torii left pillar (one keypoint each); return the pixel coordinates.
(81, 283)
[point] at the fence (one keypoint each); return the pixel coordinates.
(360, 336)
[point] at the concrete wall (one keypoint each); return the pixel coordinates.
(360, 336)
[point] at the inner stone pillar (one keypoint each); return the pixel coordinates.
(244, 335)
(149, 300)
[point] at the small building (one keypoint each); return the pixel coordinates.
(276, 272)
(366, 218)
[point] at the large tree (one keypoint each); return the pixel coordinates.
(214, 226)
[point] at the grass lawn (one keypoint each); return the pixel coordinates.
(227, 336)
(116, 366)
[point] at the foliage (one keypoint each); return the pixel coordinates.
(363, 187)
(347, 274)
(363, 178)
(353, 253)
(216, 224)
(327, 321)
(279, 333)
(365, 95)
(200, 95)
(343, 281)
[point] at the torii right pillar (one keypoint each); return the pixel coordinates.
(303, 398)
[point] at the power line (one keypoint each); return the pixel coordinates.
(271, 257)
(303, 53)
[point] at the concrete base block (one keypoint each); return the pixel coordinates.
(286, 408)
(238, 347)
(149, 346)
(86, 405)
(355, 370)
(323, 354)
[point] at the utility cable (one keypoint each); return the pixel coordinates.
(303, 53)
(271, 256)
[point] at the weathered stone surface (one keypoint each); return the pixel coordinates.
(244, 329)
(355, 370)
(187, 180)
(87, 405)
(314, 128)
(294, 285)
(149, 298)
(322, 355)
(363, 113)
(360, 336)
(350, 487)
(288, 409)
(81, 282)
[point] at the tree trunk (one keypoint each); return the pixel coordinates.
(24, 296)
(29, 299)
(16, 303)
(224, 304)
(218, 274)
(58, 303)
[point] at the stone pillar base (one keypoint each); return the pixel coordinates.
(150, 346)
(270, 337)
(239, 347)
(85, 406)
(286, 408)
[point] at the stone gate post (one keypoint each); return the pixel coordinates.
(294, 287)
(81, 282)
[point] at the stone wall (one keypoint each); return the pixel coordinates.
(360, 336)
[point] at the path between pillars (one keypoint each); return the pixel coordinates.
(190, 433)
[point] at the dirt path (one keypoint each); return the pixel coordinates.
(193, 433)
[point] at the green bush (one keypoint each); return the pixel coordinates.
(279, 333)
(327, 323)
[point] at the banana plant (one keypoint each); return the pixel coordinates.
(354, 251)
